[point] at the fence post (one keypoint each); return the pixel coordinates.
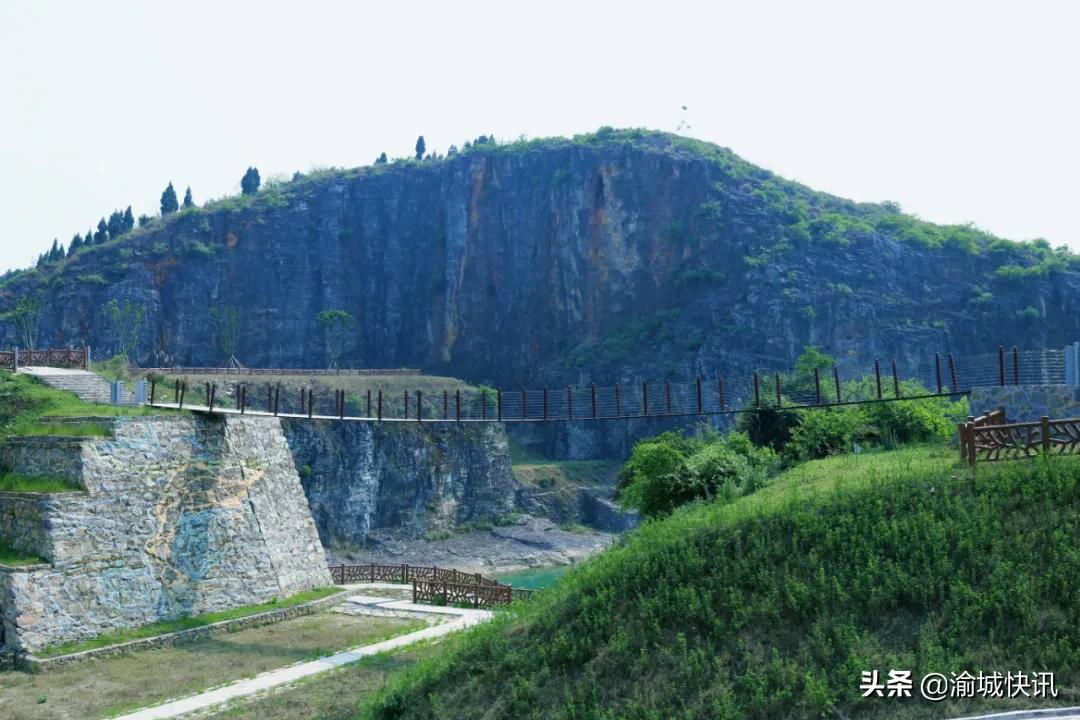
(618, 401)
(269, 398)
(378, 407)
(1001, 366)
(310, 402)
(952, 374)
(524, 404)
(498, 402)
(645, 398)
(720, 390)
(372, 572)
(483, 404)
(152, 384)
(569, 402)
(757, 389)
(406, 396)
(836, 382)
(817, 384)
(405, 571)
(1016, 365)
(895, 380)
(937, 370)
(341, 414)
(593, 390)
(180, 394)
(419, 406)
(367, 414)
(779, 402)
(971, 444)
(545, 402)
(243, 399)
(210, 392)
(1044, 421)
(277, 398)
(457, 405)
(700, 399)
(445, 405)
(877, 376)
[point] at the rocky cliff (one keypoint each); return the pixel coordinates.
(424, 478)
(615, 255)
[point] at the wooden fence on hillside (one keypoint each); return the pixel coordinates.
(434, 584)
(989, 438)
(77, 358)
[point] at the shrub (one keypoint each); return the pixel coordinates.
(823, 432)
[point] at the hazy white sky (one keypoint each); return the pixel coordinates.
(960, 111)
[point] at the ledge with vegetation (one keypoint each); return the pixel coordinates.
(11, 557)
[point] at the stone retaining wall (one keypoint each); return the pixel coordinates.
(183, 515)
(33, 663)
(57, 458)
(1024, 403)
(24, 522)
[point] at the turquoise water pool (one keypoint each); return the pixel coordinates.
(533, 578)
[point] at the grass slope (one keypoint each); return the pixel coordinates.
(771, 606)
(24, 402)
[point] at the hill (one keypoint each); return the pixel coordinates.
(773, 605)
(606, 255)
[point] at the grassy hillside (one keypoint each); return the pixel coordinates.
(772, 605)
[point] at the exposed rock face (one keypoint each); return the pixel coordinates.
(181, 516)
(623, 255)
(425, 478)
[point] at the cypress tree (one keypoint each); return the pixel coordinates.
(116, 224)
(249, 184)
(144, 220)
(188, 202)
(421, 148)
(102, 234)
(129, 220)
(168, 201)
(381, 160)
(75, 245)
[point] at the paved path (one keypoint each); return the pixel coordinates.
(462, 618)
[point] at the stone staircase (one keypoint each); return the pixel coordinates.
(86, 385)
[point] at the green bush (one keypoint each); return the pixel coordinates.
(669, 470)
(823, 432)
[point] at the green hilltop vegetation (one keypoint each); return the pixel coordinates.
(806, 216)
(772, 604)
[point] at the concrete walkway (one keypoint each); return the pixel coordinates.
(462, 618)
(1072, 713)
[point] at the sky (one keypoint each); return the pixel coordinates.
(959, 111)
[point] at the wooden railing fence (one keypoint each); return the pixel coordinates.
(432, 583)
(989, 438)
(53, 357)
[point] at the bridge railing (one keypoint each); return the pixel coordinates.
(432, 583)
(842, 383)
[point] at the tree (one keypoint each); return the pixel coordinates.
(169, 204)
(116, 224)
(381, 160)
(188, 202)
(129, 220)
(126, 319)
(102, 234)
(421, 147)
(89, 239)
(226, 322)
(249, 184)
(27, 311)
(334, 323)
(75, 245)
(144, 220)
(451, 151)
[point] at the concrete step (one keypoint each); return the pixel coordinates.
(86, 385)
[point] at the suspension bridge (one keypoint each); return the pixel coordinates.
(940, 376)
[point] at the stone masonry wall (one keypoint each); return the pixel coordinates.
(1025, 403)
(51, 457)
(182, 516)
(23, 522)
